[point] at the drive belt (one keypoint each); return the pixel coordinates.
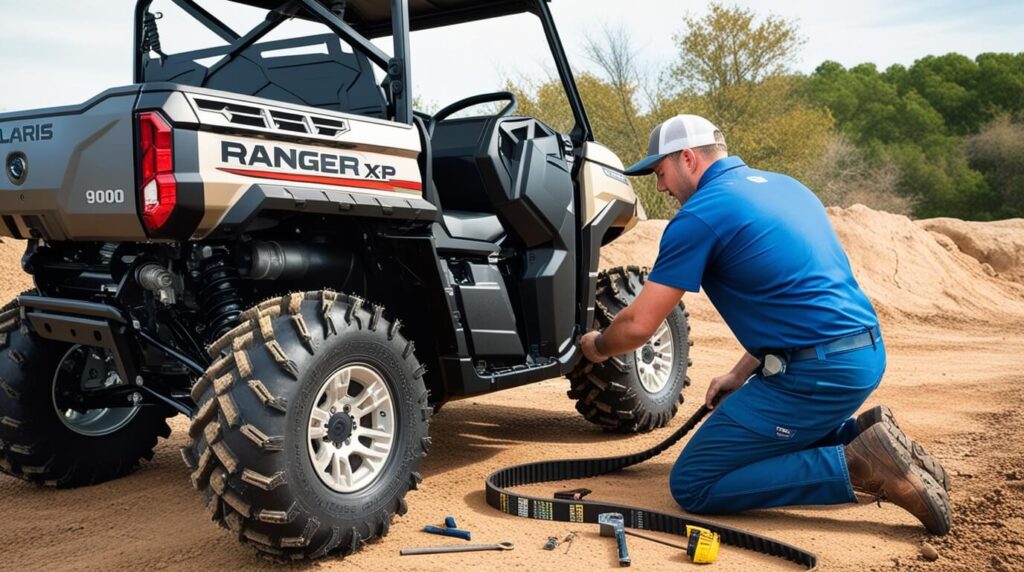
(586, 511)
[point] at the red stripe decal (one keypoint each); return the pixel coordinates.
(322, 180)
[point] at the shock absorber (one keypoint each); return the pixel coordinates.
(219, 295)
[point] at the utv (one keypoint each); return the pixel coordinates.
(280, 248)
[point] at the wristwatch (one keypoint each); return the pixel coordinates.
(597, 343)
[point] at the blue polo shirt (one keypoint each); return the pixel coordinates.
(763, 249)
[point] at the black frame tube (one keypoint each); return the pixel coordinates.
(582, 130)
(207, 19)
(140, 17)
(399, 68)
(171, 352)
(273, 20)
(346, 32)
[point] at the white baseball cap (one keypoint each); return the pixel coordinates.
(675, 134)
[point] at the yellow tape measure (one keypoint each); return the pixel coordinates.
(702, 547)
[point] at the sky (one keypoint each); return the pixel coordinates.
(59, 52)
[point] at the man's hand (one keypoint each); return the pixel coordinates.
(722, 385)
(587, 344)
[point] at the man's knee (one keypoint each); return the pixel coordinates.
(689, 483)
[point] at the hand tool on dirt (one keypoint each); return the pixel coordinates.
(569, 539)
(444, 531)
(500, 497)
(612, 525)
(449, 522)
(449, 549)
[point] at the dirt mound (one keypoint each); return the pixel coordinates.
(998, 244)
(909, 271)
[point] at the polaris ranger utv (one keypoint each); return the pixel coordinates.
(280, 248)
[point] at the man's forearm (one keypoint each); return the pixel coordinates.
(623, 335)
(747, 365)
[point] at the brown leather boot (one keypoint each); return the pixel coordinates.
(882, 414)
(882, 466)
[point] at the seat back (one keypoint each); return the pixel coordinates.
(325, 76)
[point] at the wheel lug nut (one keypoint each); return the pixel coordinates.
(334, 410)
(347, 408)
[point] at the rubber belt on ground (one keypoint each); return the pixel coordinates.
(498, 496)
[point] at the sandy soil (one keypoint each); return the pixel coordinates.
(952, 311)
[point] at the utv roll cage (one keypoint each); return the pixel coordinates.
(356, 22)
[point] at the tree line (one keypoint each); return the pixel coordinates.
(942, 137)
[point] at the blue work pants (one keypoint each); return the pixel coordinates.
(779, 440)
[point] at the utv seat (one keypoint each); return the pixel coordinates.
(473, 226)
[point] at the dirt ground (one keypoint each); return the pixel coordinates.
(951, 299)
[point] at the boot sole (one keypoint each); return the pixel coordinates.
(897, 446)
(931, 465)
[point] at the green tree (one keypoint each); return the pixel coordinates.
(998, 152)
(725, 55)
(733, 68)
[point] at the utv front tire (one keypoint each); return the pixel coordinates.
(304, 393)
(637, 391)
(40, 444)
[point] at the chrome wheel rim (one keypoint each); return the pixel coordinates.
(91, 422)
(351, 429)
(654, 360)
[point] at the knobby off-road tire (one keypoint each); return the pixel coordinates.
(628, 393)
(251, 451)
(35, 444)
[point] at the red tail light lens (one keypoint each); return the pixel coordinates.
(158, 191)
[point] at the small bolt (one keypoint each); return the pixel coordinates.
(334, 410)
(135, 398)
(138, 380)
(136, 325)
(382, 414)
(348, 441)
(347, 408)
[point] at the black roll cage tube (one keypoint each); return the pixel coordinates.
(397, 67)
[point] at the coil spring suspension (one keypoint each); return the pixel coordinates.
(219, 296)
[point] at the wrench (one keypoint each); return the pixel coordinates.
(447, 549)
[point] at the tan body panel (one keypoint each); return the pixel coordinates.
(229, 164)
(601, 182)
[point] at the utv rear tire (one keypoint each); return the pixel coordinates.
(252, 449)
(35, 444)
(629, 393)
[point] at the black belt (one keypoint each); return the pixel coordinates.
(584, 511)
(864, 339)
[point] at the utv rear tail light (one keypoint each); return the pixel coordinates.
(158, 190)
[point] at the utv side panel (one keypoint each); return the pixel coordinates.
(79, 181)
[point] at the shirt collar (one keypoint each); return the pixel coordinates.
(718, 168)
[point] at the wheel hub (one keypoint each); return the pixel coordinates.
(655, 360)
(88, 368)
(339, 428)
(352, 428)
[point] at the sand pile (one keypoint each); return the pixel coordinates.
(907, 270)
(998, 244)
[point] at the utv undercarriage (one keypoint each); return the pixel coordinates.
(279, 248)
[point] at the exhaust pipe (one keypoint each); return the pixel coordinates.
(272, 260)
